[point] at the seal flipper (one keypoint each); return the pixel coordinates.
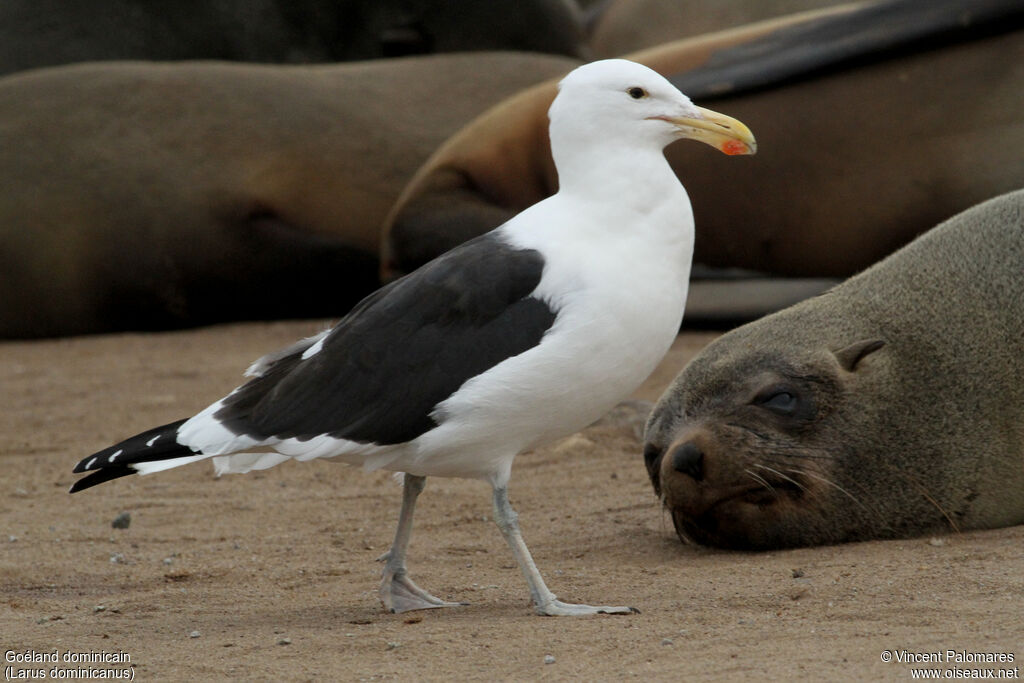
(874, 32)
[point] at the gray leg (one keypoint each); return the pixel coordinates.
(397, 591)
(544, 600)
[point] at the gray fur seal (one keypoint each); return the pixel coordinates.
(136, 195)
(890, 406)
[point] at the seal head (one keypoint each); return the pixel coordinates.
(889, 406)
(751, 451)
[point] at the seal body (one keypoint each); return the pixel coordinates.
(889, 406)
(136, 195)
(931, 126)
(37, 33)
(621, 26)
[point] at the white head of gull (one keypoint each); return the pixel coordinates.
(515, 338)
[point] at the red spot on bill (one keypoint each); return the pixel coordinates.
(734, 147)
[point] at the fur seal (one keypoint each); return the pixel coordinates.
(37, 33)
(900, 165)
(890, 406)
(156, 196)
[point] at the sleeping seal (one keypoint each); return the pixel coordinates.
(888, 75)
(890, 406)
(38, 33)
(138, 195)
(621, 26)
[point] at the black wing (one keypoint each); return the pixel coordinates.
(402, 350)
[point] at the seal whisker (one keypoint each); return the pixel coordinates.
(873, 510)
(665, 508)
(761, 480)
(792, 481)
(834, 485)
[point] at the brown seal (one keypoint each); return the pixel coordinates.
(148, 196)
(857, 159)
(890, 406)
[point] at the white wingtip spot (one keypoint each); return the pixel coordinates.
(111, 458)
(153, 440)
(89, 464)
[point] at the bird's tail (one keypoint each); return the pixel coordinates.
(151, 451)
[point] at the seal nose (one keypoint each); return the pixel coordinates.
(689, 459)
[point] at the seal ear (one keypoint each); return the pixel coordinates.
(849, 356)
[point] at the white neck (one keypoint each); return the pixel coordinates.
(606, 168)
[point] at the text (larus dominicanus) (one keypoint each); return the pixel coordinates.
(518, 337)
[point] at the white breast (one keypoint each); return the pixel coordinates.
(619, 295)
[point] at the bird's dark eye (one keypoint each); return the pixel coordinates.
(637, 93)
(778, 401)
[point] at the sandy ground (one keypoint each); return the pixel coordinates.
(272, 576)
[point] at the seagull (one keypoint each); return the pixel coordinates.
(516, 338)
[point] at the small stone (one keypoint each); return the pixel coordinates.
(99, 608)
(392, 645)
(285, 641)
(937, 542)
(117, 558)
(12, 538)
(797, 573)
(194, 634)
(168, 560)
(122, 521)
(666, 641)
(549, 659)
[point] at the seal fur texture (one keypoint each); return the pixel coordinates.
(890, 406)
(143, 196)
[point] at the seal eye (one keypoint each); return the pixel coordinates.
(781, 402)
(637, 93)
